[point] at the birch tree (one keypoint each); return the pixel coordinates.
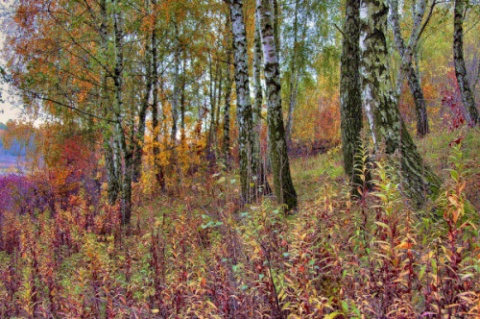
(296, 65)
(282, 179)
(303, 40)
(407, 51)
(228, 94)
(350, 89)
(379, 102)
(125, 151)
(262, 183)
(468, 97)
(244, 106)
(137, 156)
(112, 161)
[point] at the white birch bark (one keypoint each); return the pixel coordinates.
(407, 52)
(125, 153)
(244, 106)
(417, 179)
(284, 188)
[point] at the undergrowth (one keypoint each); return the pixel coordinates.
(201, 255)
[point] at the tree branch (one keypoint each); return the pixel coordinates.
(39, 96)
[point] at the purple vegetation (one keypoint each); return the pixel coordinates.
(20, 194)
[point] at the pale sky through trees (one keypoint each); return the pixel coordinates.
(8, 109)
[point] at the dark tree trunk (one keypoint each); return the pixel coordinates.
(113, 185)
(350, 94)
(276, 23)
(419, 100)
(214, 80)
(460, 69)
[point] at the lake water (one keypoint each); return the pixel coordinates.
(11, 164)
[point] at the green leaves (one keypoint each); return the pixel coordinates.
(209, 222)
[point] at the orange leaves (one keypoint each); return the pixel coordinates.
(404, 245)
(317, 117)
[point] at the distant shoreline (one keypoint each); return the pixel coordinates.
(11, 164)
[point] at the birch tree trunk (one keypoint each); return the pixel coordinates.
(284, 188)
(350, 92)
(276, 23)
(460, 68)
(226, 110)
(217, 115)
(477, 77)
(176, 91)
(244, 107)
(111, 163)
(262, 187)
(417, 180)
(407, 69)
(157, 85)
(155, 105)
(183, 97)
(125, 152)
(214, 78)
(292, 100)
(140, 138)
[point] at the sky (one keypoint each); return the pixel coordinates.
(9, 109)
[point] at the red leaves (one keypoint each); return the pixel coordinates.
(456, 141)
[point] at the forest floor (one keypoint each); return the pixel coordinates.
(200, 255)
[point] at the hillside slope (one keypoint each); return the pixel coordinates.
(199, 255)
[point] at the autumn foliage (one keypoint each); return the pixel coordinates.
(196, 254)
(192, 248)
